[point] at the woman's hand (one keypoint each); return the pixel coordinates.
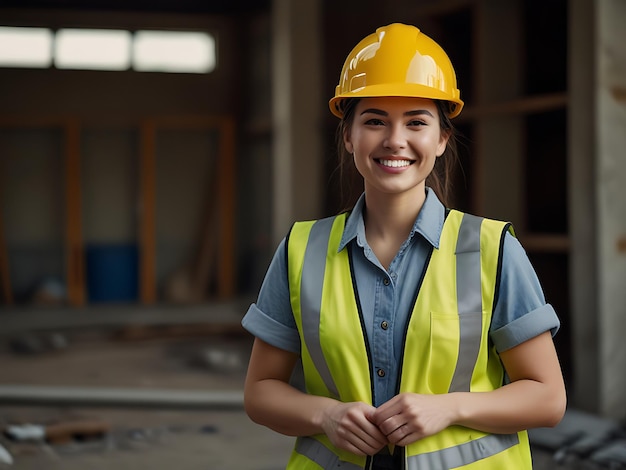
(348, 427)
(270, 400)
(409, 417)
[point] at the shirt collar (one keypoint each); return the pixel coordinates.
(428, 223)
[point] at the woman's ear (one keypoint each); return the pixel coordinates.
(347, 142)
(443, 142)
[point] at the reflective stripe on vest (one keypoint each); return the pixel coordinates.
(463, 454)
(321, 455)
(452, 457)
(469, 300)
(311, 292)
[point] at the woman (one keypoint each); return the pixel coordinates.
(422, 333)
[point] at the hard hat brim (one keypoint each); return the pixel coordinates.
(409, 90)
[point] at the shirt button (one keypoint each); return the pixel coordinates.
(380, 372)
(386, 281)
(384, 325)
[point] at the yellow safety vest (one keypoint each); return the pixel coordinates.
(446, 348)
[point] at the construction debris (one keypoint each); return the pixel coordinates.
(58, 433)
(25, 432)
(584, 438)
(5, 456)
(38, 343)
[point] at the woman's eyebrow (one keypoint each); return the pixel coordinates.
(418, 112)
(380, 112)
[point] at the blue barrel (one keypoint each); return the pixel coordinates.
(112, 272)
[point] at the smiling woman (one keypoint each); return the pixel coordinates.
(108, 49)
(422, 332)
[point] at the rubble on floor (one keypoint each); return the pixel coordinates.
(583, 441)
(69, 435)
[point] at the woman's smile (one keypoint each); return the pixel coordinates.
(393, 165)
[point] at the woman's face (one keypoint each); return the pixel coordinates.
(395, 142)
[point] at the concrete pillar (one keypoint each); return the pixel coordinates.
(584, 391)
(598, 204)
(296, 122)
(611, 201)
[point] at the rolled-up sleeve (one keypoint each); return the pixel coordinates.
(271, 318)
(527, 327)
(521, 312)
(271, 331)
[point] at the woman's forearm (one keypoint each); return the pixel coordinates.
(281, 407)
(535, 397)
(271, 401)
(523, 404)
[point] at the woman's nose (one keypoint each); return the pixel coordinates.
(395, 138)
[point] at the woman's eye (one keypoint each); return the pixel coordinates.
(417, 123)
(374, 122)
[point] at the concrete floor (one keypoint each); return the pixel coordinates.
(146, 358)
(179, 435)
(152, 439)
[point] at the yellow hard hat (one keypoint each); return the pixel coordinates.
(397, 60)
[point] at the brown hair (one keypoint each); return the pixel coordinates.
(439, 180)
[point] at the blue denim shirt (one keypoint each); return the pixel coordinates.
(521, 312)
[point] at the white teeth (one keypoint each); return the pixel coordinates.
(395, 163)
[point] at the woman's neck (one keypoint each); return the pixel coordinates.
(389, 219)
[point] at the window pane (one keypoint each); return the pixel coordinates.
(25, 47)
(172, 51)
(96, 49)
